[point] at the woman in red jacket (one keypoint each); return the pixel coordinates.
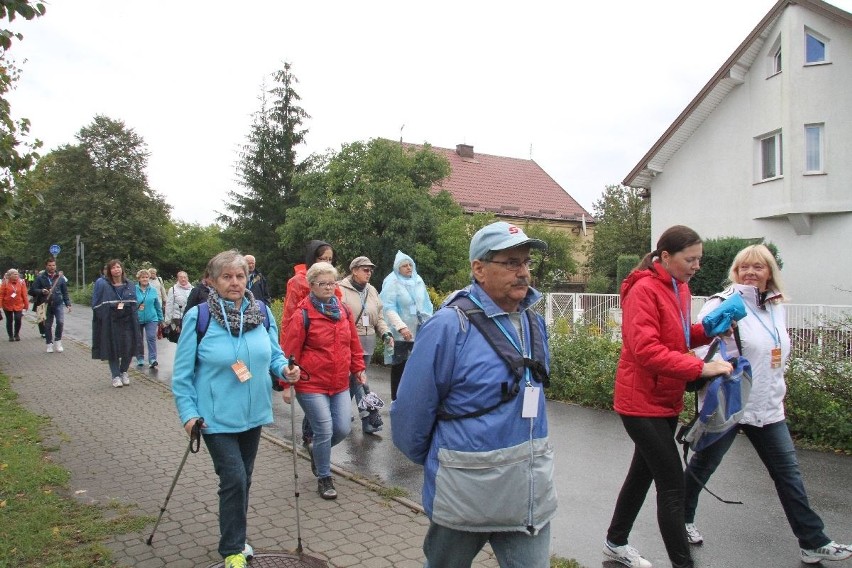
(321, 335)
(13, 300)
(656, 363)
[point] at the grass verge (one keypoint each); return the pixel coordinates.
(39, 526)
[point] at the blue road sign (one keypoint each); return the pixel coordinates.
(54, 249)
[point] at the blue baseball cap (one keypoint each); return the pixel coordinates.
(500, 236)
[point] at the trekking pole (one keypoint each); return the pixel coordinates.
(194, 436)
(295, 469)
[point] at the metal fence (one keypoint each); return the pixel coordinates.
(808, 324)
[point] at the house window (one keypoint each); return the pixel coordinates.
(773, 57)
(769, 156)
(816, 47)
(814, 148)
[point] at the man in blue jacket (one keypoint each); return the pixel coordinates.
(51, 287)
(471, 410)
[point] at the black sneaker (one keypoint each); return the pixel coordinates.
(325, 488)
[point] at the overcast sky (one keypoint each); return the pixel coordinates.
(584, 88)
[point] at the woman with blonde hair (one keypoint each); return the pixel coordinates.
(755, 276)
(13, 301)
(150, 315)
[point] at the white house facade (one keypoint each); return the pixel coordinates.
(765, 150)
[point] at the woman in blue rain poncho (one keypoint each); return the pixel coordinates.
(406, 306)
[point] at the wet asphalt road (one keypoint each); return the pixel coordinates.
(592, 456)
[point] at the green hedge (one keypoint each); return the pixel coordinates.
(819, 392)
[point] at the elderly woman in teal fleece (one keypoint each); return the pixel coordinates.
(224, 378)
(406, 305)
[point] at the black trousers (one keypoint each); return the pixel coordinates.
(13, 323)
(656, 459)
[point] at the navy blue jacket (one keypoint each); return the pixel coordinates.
(60, 292)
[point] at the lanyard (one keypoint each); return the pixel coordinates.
(683, 319)
(236, 344)
(522, 349)
(776, 337)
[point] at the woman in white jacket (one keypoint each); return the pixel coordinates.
(766, 344)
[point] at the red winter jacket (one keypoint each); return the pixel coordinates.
(297, 289)
(654, 366)
(20, 302)
(328, 354)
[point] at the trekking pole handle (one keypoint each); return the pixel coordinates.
(195, 435)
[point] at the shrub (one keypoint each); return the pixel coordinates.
(81, 295)
(582, 365)
(819, 394)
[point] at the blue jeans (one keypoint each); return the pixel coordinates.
(56, 312)
(450, 548)
(233, 459)
(118, 366)
(775, 448)
(330, 419)
(149, 330)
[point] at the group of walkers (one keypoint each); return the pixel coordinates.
(466, 384)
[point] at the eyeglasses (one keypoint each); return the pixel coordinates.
(326, 284)
(366, 268)
(514, 265)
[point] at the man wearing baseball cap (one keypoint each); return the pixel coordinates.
(471, 410)
(366, 308)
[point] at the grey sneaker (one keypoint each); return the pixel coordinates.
(50, 347)
(692, 534)
(125, 379)
(58, 346)
(626, 555)
(116, 382)
(325, 487)
(831, 551)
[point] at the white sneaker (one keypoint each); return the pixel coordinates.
(626, 555)
(50, 347)
(116, 382)
(692, 534)
(125, 379)
(248, 551)
(58, 345)
(831, 551)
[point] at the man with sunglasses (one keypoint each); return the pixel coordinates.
(471, 410)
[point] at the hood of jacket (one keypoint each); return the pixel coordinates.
(311, 252)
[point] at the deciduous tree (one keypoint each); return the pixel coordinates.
(623, 227)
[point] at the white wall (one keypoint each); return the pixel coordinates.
(709, 183)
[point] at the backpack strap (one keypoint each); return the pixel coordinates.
(203, 321)
(501, 345)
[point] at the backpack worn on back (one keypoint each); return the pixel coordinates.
(498, 341)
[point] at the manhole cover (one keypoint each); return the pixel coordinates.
(280, 560)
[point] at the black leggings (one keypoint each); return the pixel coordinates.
(395, 377)
(655, 459)
(13, 318)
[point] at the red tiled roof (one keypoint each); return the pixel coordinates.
(507, 187)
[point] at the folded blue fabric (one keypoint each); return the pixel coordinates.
(719, 320)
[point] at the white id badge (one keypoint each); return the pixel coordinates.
(531, 395)
(14, 294)
(365, 320)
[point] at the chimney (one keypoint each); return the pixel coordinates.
(464, 150)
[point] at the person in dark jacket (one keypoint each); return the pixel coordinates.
(52, 287)
(115, 327)
(656, 363)
(200, 292)
(257, 282)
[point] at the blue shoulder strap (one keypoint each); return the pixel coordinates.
(501, 345)
(203, 321)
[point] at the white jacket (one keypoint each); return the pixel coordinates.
(760, 331)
